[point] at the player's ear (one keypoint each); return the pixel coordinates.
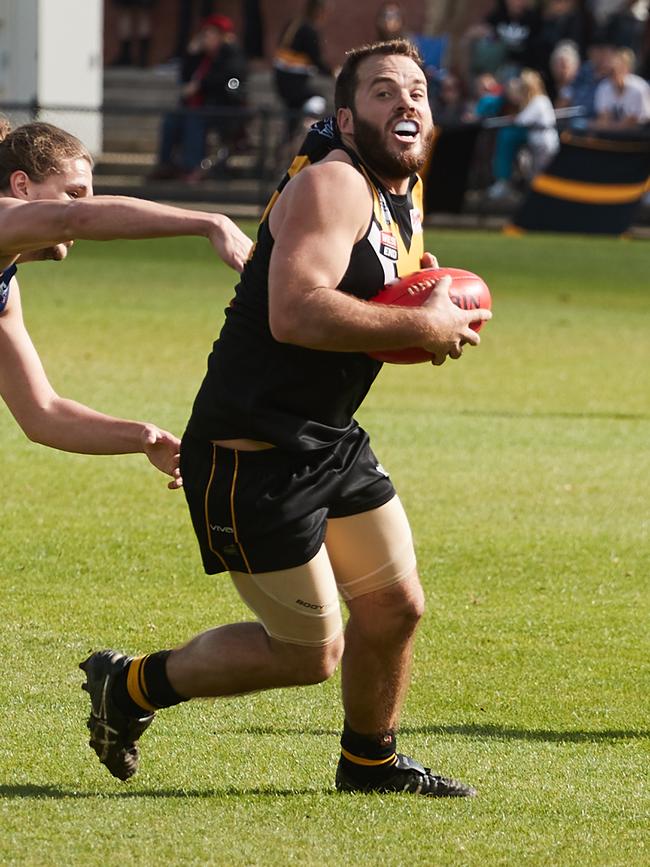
(345, 120)
(19, 184)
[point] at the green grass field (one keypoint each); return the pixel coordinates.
(525, 469)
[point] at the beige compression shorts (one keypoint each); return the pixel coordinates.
(361, 554)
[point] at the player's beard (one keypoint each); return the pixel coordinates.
(369, 141)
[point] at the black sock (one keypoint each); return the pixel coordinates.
(143, 686)
(367, 756)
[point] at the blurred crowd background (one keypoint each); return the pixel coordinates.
(524, 70)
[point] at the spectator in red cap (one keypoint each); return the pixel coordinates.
(213, 76)
(220, 22)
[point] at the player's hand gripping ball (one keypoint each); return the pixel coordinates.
(468, 291)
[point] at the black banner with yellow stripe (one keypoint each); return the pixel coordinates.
(594, 185)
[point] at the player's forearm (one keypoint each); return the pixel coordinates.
(330, 320)
(72, 427)
(107, 218)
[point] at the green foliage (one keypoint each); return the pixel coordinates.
(524, 467)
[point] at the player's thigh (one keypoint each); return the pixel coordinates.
(372, 550)
(298, 605)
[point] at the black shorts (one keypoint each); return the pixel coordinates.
(267, 510)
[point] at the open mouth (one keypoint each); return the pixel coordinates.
(406, 130)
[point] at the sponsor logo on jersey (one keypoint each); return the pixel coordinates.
(416, 221)
(217, 528)
(388, 245)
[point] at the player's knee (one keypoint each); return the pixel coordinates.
(393, 616)
(323, 662)
(310, 665)
(413, 610)
(406, 614)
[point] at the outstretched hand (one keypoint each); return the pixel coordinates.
(163, 450)
(232, 245)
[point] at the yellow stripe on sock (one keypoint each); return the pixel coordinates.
(369, 763)
(134, 685)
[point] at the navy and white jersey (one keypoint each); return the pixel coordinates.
(296, 398)
(5, 281)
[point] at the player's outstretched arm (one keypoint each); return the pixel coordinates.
(64, 424)
(317, 220)
(33, 225)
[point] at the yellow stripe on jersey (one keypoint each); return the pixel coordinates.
(408, 260)
(299, 162)
(272, 201)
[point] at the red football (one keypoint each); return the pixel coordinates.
(467, 291)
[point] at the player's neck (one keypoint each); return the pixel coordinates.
(397, 186)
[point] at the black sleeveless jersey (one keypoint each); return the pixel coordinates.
(296, 398)
(5, 284)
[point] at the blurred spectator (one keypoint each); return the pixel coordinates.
(188, 11)
(626, 23)
(533, 126)
(644, 60)
(487, 85)
(489, 97)
(538, 116)
(213, 75)
(602, 9)
(564, 63)
(489, 101)
(389, 22)
(134, 29)
(501, 43)
(298, 59)
(623, 99)
(559, 20)
(582, 91)
(449, 102)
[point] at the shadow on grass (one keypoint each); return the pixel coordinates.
(486, 730)
(27, 790)
(49, 792)
(500, 733)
